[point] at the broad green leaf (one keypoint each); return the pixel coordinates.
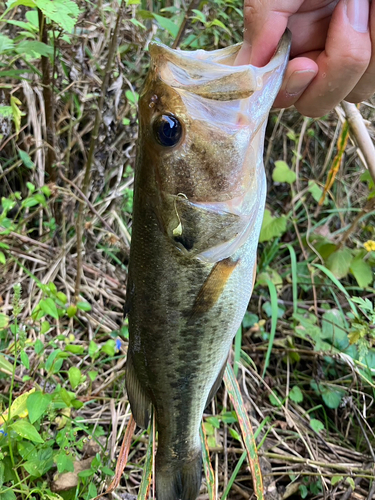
(2, 261)
(25, 359)
(4, 322)
(282, 173)
(74, 376)
(339, 262)
(333, 328)
(316, 192)
(109, 347)
(34, 48)
(272, 227)
(64, 462)
(5, 43)
(167, 24)
(316, 425)
(83, 306)
(49, 307)
(18, 408)
(37, 404)
(362, 272)
(4, 363)
(27, 431)
(63, 12)
(8, 495)
(5, 111)
(45, 326)
(27, 161)
(332, 398)
(295, 394)
(15, 3)
(336, 479)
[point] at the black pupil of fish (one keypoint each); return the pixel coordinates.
(168, 130)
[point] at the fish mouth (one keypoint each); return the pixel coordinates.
(212, 74)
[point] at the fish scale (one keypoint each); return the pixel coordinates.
(194, 242)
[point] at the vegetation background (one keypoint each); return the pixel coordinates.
(70, 73)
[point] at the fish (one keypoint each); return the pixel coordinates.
(199, 196)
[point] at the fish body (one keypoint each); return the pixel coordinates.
(198, 206)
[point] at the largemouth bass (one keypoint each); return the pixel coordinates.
(199, 199)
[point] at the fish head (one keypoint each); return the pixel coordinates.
(201, 129)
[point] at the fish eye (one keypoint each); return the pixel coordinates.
(167, 130)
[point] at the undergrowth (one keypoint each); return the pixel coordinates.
(304, 358)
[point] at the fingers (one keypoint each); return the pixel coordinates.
(265, 22)
(365, 88)
(344, 60)
(299, 74)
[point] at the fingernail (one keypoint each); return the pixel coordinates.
(298, 81)
(358, 14)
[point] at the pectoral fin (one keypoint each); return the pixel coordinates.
(140, 404)
(213, 286)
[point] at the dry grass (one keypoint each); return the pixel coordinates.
(292, 454)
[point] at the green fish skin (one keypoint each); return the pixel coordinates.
(198, 206)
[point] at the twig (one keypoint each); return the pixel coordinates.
(48, 102)
(360, 134)
(93, 142)
(183, 26)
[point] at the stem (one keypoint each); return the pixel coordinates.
(94, 138)
(49, 104)
(183, 26)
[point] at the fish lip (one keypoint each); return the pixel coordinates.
(213, 75)
(158, 49)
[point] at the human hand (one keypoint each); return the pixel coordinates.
(332, 55)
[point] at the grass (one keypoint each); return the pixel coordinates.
(303, 360)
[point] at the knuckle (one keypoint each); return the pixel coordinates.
(355, 58)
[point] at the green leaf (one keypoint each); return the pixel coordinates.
(34, 48)
(2, 258)
(92, 375)
(333, 328)
(362, 272)
(4, 320)
(274, 399)
(74, 376)
(64, 462)
(27, 161)
(109, 348)
(272, 227)
(63, 12)
(27, 431)
(316, 192)
(234, 434)
(16, 112)
(83, 306)
(336, 479)
(71, 311)
(4, 363)
(25, 359)
(8, 495)
(332, 398)
(316, 425)
(37, 404)
(49, 307)
(5, 111)
(282, 173)
(44, 327)
(339, 262)
(166, 24)
(295, 394)
(350, 482)
(75, 349)
(5, 43)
